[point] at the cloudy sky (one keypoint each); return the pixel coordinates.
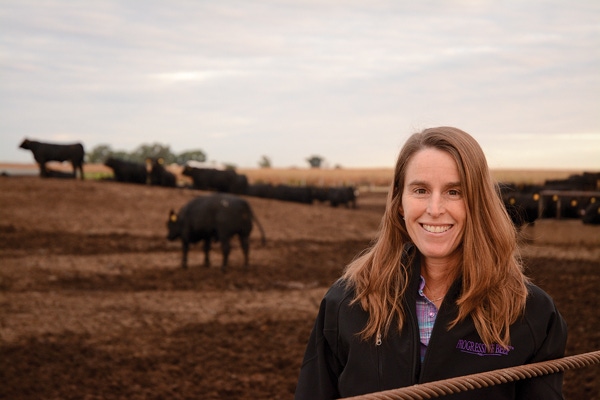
(347, 80)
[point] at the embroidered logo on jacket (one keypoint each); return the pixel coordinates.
(480, 349)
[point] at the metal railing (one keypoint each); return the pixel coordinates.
(484, 379)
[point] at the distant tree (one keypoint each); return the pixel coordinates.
(265, 162)
(98, 154)
(121, 155)
(154, 150)
(315, 161)
(190, 155)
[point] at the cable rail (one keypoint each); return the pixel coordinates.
(484, 379)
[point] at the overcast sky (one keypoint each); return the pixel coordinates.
(346, 80)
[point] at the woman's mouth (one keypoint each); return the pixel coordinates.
(436, 228)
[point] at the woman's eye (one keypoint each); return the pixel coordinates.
(454, 192)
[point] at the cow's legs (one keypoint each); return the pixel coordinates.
(225, 248)
(185, 247)
(43, 170)
(207, 252)
(245, 242)
(77, 167)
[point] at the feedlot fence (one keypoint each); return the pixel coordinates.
(485, 379)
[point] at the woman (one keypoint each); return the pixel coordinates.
(440, 293)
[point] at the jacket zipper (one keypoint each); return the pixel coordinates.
(379, 354)
(416, 340)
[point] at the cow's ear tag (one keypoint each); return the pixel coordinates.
(173, 217)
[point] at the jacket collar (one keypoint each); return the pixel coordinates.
(410, 250)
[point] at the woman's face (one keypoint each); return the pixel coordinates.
(433, 206)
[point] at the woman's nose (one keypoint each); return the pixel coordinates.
(435, 206)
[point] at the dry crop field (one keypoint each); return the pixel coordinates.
(362, 177)
(382, 177)
(94, 305)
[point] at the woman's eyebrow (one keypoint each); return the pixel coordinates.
(417, 183)
(424, 183)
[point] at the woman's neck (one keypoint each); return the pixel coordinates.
(438, 275)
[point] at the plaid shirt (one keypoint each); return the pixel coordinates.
(426, 313)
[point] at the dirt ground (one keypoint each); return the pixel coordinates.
(94, 304)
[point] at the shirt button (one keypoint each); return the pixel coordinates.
(432, 314)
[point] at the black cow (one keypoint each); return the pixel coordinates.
(44, 152)
(262, 190)
(159, 175)
(217, 217)
(320, 194)
(571, 207)
(127, 171)
(592, 214)
(563, 205)
(523, 208)
(239, 185)
(210, 178)
(342, 195)
(297, 194)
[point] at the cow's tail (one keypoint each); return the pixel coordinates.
(262, 232)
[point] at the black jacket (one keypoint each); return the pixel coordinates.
(337, 363)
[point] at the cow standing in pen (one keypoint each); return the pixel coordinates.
(345, 195)
(127, 171)
(44, 152)
(159, 176)
(213, 218)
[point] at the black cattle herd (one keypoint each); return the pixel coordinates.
(153, 172)
(575, 197)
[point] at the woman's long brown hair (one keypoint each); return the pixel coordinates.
(493, 284)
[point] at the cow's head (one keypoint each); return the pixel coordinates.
(187, 170)
(25, 144)
(173, 226)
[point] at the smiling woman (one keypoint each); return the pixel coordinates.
(434, 211)
(442, 272)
